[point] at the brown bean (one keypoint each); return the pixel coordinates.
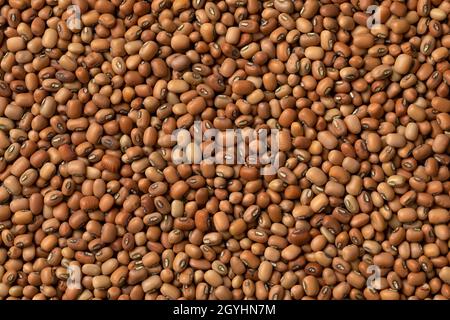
(353, 173)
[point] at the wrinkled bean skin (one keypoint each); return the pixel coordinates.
(90, 190)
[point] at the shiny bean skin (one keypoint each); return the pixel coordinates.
(224, 150)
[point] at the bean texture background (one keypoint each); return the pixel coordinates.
(92, 205)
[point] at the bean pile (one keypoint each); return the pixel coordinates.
(91, 91)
